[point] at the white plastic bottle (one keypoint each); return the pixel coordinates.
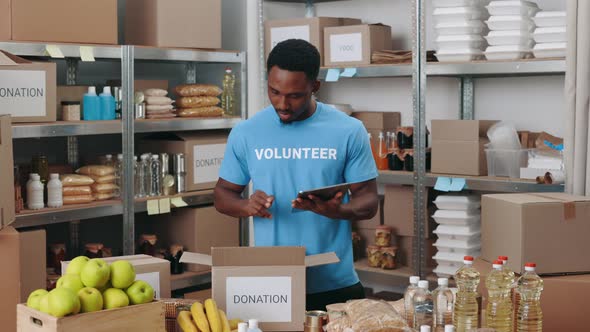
(54, 192)
(242, 327)
(109, 160)
(423, 305)
(253, 326)
(424, 328)
(409, 300)
(443, 305)
(35, 193)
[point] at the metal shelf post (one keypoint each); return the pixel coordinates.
(467, 99)
(128, 120)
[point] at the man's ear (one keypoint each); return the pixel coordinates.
(316, 86)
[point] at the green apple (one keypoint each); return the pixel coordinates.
(105, 287)
(76, 265)
(44, 304)
(115, 298)
(71, 281)
(35, 297)
(122, 274)
(140, 292)
(90, 299)
(62, 302)
(95, 273)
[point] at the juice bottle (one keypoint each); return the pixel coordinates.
(409, 300)
(465, 312)
(529, 316)
(499, 308)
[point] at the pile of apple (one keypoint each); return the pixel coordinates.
(92, 285)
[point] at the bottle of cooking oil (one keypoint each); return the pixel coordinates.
(465, 312)
(443, 305)
(499, 309)
(227, 97)
(409, 300)
(529, 316)
(423, 305)
(515, 298)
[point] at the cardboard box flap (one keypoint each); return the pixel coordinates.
(539, 198)
(321, 259)
(8, 59)
(460, 130)
(195, 258)
(258, 256)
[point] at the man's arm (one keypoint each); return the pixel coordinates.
(228, 200)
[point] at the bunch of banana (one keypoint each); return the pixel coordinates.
(206, 318)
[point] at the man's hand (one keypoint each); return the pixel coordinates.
(330, 208)
(258, 205)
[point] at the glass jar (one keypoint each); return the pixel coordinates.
(405, 137)
(409, 160)
(396, 160)
(383, 236)
(40, 165)
(147, 244)
(56, 254)
(70, 110)
(388, 258)
(93, 250)
(374, 256)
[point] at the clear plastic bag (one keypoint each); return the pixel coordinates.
(193, 90)
(201, 112)
(155, 92)
(374, 316)
(77, 191)
(69, 180)
(104, 179)
(202, 101)
(98, 170)
(104, 196)
(503, 135)
(158, 100)
(102, 188)
(80, 199)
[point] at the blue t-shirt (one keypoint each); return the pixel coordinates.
(281, 159)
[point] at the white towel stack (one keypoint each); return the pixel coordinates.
(550, 34)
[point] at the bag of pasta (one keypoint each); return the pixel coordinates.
(374, 316)
(200, 101)
(104, 196)
(192, 90)
(69, 180)
(200, 112)
(76, 190)
(96, 170)
(102, 188)
(80, 199)
(104, 179)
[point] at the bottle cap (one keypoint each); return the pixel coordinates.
(380, 134)
(106, 90)
(109, 156)
(443, 281)
(155, 157)
(504, 259)
(423, 284)
(228, 70)
(35, 177)
(144, 157)
(414, 279)
(497, 264)
(530, 267)
(54, 176)
(449, 328)
(253, 323)
(120, 156)
(92, 90)
(468, 260)
(31, 175)
(424, 328)
(242, 327)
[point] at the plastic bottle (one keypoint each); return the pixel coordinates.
(119, 174)
(54, 192)
(449, 328)
(499, 308)
(156, 177)
(242, 327)
(142, 175)
(424, 328)
(253, 326)
(465, 312)
(443, 305)
(514, 297)
(107, 104)
(91, 102)
(373, 148)
(136, 182)
(382, 163)
(529, 316)
(108, 160)
(409, 300)
(35, 193)
(423, 305)
(228, 95)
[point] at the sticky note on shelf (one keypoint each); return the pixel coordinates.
(333, 75)
(153, 207)
(348, 72)
(457, 184)
(165, 205)
(54, 51)
(443, 184)
(178, 202)
(87, 53)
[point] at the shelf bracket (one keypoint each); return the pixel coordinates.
(72, 71)
(467, 98)
(191, 73)
(309, 8)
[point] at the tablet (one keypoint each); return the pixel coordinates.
(326, 193)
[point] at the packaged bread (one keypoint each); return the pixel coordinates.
(104, 179)
(200, 112)
(150, 108)
(104, 187)
(104, 196)
(200, 101)
(76, 191)
(192, 90)
(68, 180)
(156, 100)
(155, 92)
(80, 199)
(98, 170)
(374, 316)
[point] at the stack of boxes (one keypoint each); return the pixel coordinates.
(511, 25)
(550, 34)
(458, 232)
(459, 29)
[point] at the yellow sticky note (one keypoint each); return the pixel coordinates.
(165, 205)
(54, 51)
(153, 207)
(87, 53)
(178, 202)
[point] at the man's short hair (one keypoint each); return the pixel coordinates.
(295, 55)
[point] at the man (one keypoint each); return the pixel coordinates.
(293, 145)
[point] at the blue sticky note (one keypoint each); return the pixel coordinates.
(443, 184)
(333, 75)
(348, 72)
(457, 184)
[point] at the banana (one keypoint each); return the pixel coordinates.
(185, 321)
(200, 317)
(233, 323)
(213, 315)
(224, 321)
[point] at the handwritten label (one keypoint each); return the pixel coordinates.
(153, 207)
(346, 47)
(280, 34)
(165, 205)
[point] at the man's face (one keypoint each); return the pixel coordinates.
(290, 94)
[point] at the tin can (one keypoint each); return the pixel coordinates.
(140, 111)
(315, 321)
(179, 172)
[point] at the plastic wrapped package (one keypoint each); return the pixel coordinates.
(374, 316)
(104, 187)
(503, 135)
(458, 202)
(69, 180)
(156, 108)
(340, 324)
(76, 191)
(164, 115)
(210, 111)
(104, 196)
(104, 179)
(158, 100)
(80, 199)
(201, 101)
(98, 170)
(192, 90)
(155, 92)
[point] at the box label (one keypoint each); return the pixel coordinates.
(266, 298)
(346, 47)
(23, 92)
(206, 162)
(152, 278)
(278, 35)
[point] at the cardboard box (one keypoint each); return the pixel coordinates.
(203, 153)
(372, 223)
(398, 211)
(201, 295)
(152, 270)
(550, 229)
(23, 256)
(70, 93)
(383, 121)
(263, 282)
(198, 230)
(27, 89)
(310, 29)
(458, 146)
(179, 23)
(353, 45)
(7, 203)
(68, 21)
(563, 301)
(5, 24)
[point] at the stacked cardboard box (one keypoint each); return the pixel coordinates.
(355, 44)
(376, 122)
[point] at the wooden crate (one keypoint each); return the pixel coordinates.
(142, 317)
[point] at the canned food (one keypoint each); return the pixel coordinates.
(315, 321)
